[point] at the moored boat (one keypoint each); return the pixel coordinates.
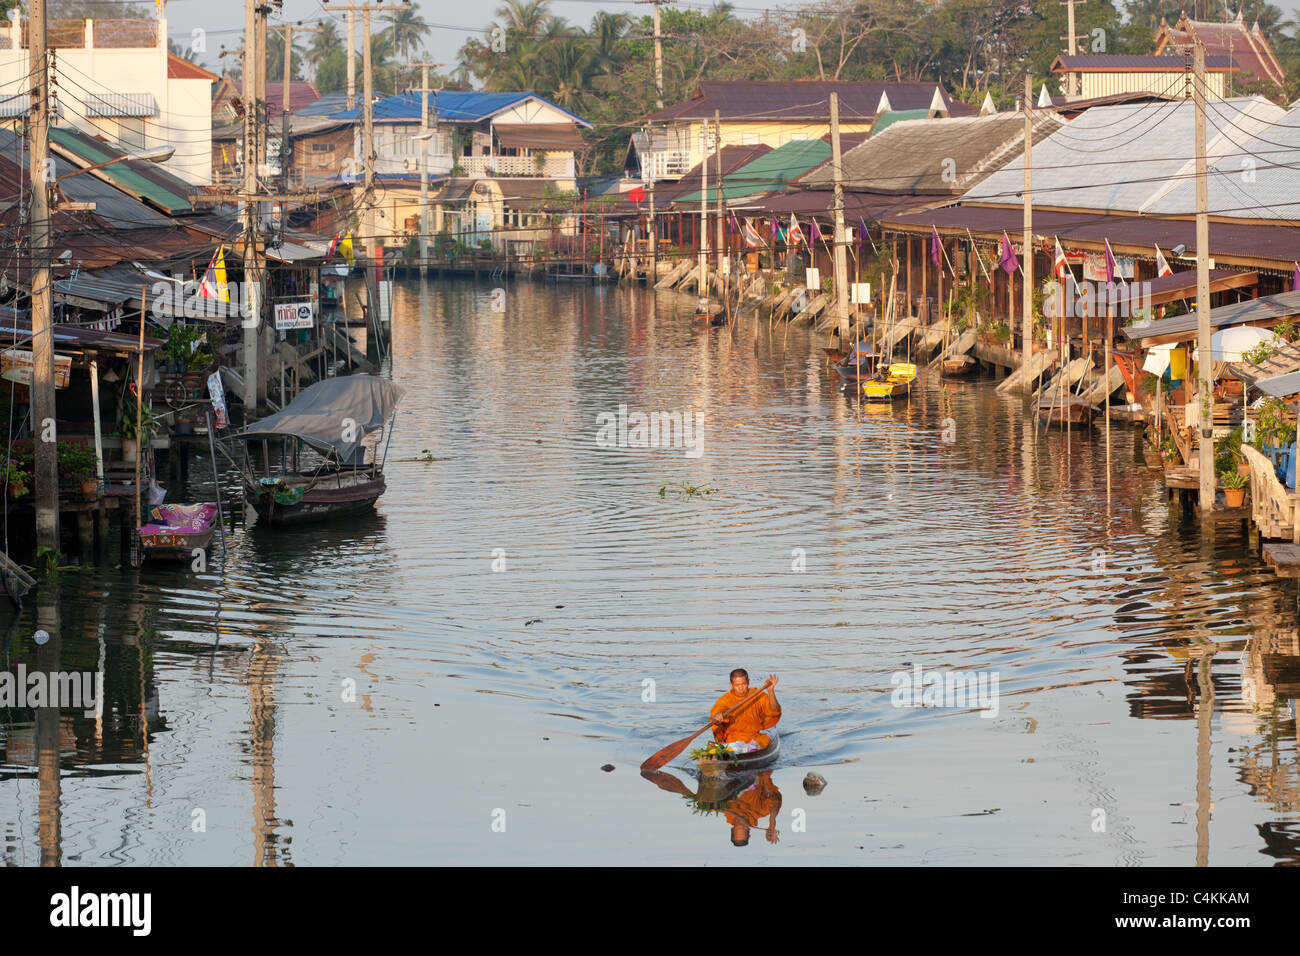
(710, 312)
(889, 383)
(755, 760)
(859, 365)
(339, 421)
(1064, 411)
(175, 531)
(955, 366)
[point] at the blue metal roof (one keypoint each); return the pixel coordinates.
(327, 105)
(454, 106)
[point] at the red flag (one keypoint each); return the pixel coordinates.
(637, 194)
(752, 238)
(1059, 264)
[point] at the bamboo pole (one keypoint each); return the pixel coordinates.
(139, 407)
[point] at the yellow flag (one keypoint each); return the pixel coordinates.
(345, 247)
(223, 289)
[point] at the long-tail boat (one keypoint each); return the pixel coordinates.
(174, 531)
(891, 382)
(338, 423)
(1065, 410)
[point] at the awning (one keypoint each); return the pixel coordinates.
(120, 105)
(1280, 386)
(1180, 285)
(1265, 311)
(538, 135)
(320, 413)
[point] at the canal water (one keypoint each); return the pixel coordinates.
(448, 679)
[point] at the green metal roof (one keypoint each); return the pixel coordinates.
(891, 117)
(769, 172)
(151, 185)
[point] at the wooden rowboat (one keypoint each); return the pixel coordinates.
(958, 365)
(720, 766)
(710, 312)
(889, 383)
(175, 531)
(1072, 411)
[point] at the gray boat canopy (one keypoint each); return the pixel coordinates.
(331, 416)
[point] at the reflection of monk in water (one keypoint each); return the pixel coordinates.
(761, 800)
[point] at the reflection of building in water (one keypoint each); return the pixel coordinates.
(1267, 762)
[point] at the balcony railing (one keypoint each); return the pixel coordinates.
(552, 167)
(668, 164)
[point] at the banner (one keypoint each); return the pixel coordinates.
(218, 396)
(16, 366)
(1094, 267)
(294, 315)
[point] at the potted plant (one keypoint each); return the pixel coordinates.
(16, 479)
(135, 433)
(77, 464)
(1151, 448)
(1234, 488)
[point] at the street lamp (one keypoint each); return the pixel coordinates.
(158, 154)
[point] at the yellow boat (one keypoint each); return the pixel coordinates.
(890, 383)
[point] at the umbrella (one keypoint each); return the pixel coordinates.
(1228, 344)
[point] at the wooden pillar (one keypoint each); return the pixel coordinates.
(925, 281)
(910, 300)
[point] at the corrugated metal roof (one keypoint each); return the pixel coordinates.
(803, 100)
(1280, 386)
(1269, 308)
(120, 104)
(733, 157)
(1122, 158)
(769, 172)
(896, 116)
(453, 106)
(18, 330)
(937, 156)
(1107, 62)
(141, 179)
(18, 104)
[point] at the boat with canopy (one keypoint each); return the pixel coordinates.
(329, 436)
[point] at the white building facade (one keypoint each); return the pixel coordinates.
(115, 78)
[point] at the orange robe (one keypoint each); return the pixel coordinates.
(749, 723)
(759, 801)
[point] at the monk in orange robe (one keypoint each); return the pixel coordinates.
(748, 724)
(761, 800)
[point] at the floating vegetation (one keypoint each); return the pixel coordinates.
(683, 489)
(426, 456)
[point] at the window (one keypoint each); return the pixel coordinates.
(798, 137)
(322, 147)
(750, 139)
(130, 132)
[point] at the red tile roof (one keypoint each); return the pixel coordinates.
(181, 69)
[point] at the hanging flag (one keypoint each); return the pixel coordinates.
(733, 227)
(1009, 261)
(345, 247)
(1295, 278)
(214, 284)
(862, 231)
(752, 238)
(1059, 264)
(935, 246)
(794, 235)
(1162, 267)
(1110, 263)
(814, 233)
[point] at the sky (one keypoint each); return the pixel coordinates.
(454, 22)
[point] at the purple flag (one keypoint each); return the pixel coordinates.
(1295, 279)
(934, 245)
(1110, 264)
(733, 227)
(1009, 261)
(815, 233)
(774, 230)
(862, 233)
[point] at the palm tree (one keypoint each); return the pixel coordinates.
(323, 43)
(523, 17)
(408, 30)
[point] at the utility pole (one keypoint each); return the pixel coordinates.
(424, 161)
(703, 237)
(43, 402)
(720, 244)
(1027, 269)
(352, 60)
(841, 257)
(254, 255)
(1071, 79)
(659, 53)
(1205, 361)
(367, 105)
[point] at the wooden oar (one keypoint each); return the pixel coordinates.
(672, 750)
